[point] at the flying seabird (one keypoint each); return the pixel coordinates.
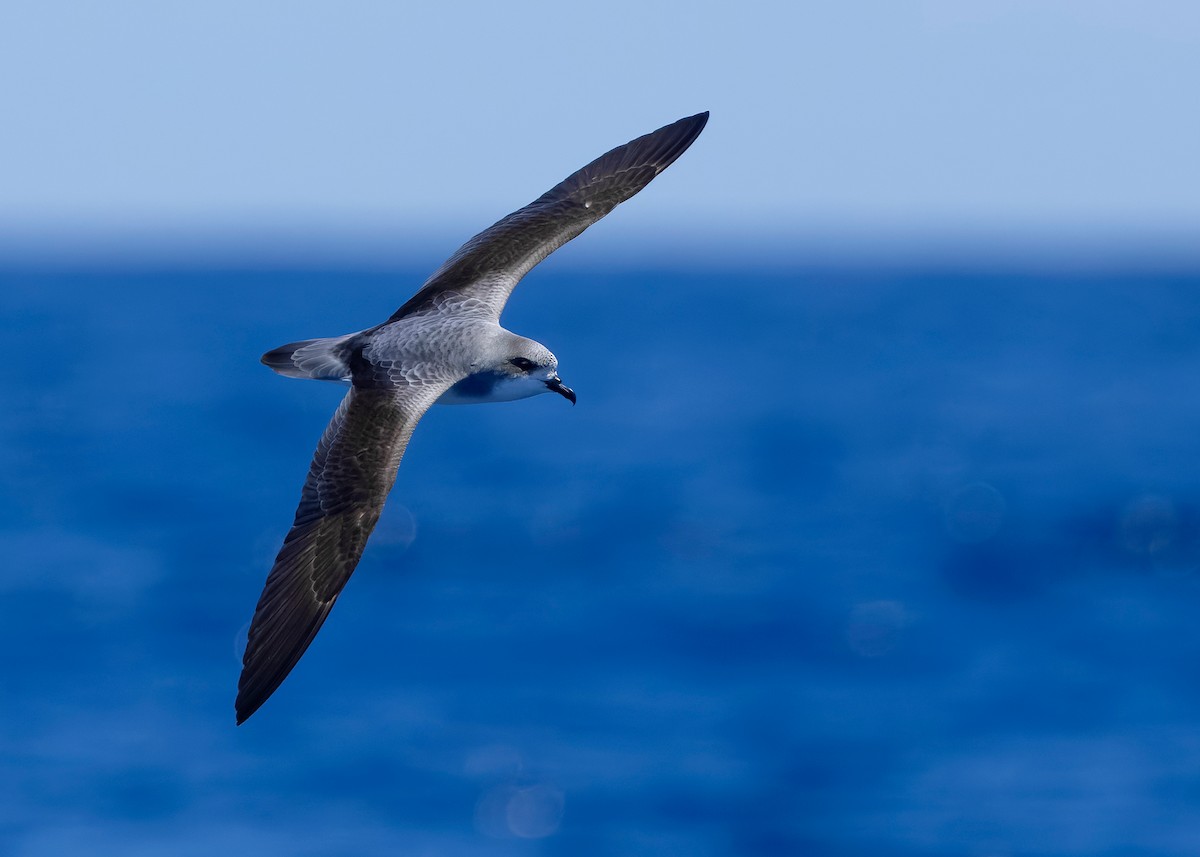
(445, 345)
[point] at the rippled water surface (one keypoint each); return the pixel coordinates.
(823, 562)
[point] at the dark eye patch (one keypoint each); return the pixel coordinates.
(523, 363)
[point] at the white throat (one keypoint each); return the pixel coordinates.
(483, 387)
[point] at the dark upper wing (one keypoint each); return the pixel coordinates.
(491, 264)
(351, 473)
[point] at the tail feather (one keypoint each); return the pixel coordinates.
(321, 359)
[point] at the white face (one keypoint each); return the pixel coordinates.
(529, 376)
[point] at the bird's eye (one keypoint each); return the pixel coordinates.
(523, 363)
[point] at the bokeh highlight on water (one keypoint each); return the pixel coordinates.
(839, 562)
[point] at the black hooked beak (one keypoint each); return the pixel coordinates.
(555, 385)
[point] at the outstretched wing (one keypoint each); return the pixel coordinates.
(489, 266)
(351, 473)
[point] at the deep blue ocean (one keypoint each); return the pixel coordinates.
(898, 563)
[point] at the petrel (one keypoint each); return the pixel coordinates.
(444, 346)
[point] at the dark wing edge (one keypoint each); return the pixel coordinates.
(491, 264)
(352, 471)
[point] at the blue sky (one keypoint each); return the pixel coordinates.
(362, 121)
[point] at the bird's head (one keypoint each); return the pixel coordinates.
(531, 368)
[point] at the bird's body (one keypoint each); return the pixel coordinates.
(445, 345)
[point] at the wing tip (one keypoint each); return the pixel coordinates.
(247, 703)
(690, 125)
(670, 141)
(695, 124)
(243, 714)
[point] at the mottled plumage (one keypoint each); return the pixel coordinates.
(445, 344)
